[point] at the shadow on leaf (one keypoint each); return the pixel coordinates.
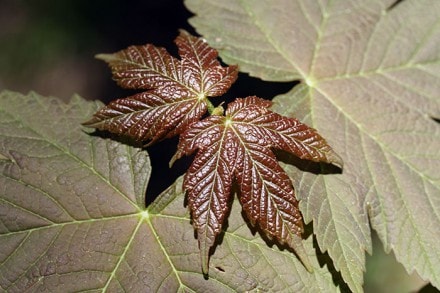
(306, 165)
(119, 138)
(221, 235)
(270, 242)
(325, 260)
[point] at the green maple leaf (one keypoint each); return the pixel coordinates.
(370, 76)
(73, 218)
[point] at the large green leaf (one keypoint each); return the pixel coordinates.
(370, 83)
(72, 217)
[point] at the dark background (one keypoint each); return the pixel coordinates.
(49, 45)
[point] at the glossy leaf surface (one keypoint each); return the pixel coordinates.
(176, 89)
(238, 146)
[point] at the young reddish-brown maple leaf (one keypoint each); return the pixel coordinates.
(177, 90)
(237, 147)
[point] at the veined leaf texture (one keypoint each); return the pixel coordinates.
(234, 147)
(176, 89)
(238, 146)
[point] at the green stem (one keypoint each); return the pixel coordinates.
(210, 106)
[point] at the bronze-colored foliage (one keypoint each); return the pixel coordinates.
(177, 89)
(232, 147)
(238, 146)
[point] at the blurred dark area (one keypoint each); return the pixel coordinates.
(48, 46)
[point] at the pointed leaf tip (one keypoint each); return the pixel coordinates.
(335, 159)
(204, 257)
(297, 244)
(105, 57)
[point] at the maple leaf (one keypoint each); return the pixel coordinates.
(177, 90)
(369, 81)
(238, 146)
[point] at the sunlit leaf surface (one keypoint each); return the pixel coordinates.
(370, 83)
(73, 218)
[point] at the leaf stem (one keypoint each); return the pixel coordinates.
(210, 106)
(219, 110)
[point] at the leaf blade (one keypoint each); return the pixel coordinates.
(206, 76)
(238, 146)
(177, 90)
(208, 184)
(149, 116)
(144, 67)
(282, 133)
(268, 199)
